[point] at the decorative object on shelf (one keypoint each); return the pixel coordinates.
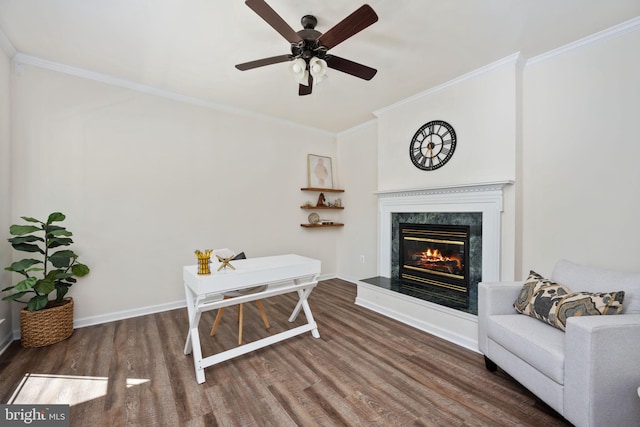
(314, 218)
(338, 203)
(204, 258)
(319, 171)
(432, 145)
(225, 262)
(43, 321)
(321, 200)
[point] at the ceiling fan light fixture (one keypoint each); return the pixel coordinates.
(318, 69)
(299, 70)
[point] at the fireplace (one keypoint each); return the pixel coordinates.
(435, 259)
(478, 206)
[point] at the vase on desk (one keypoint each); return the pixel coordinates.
(204, 259)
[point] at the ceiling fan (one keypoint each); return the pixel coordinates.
(309, 47)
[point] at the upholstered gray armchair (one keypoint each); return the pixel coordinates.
(589, 373)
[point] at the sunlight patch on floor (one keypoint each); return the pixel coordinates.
(49, 389)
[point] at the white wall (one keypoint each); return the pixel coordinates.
(580, 156)
(145, 181)
(480, 107)
(358, 162)
(5, 196)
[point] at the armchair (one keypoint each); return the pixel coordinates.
(589, 373)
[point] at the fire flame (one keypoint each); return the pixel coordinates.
(434, 255)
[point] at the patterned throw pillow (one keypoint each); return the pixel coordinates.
(553, 303)
(533, 284)
(587, 304)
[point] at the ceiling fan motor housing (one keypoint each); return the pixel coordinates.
(309, 46)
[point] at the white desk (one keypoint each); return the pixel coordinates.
(283, 274)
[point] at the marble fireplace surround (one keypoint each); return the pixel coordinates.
(447, 323)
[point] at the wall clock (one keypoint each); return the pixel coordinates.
(432, 145)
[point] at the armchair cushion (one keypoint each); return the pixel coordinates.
(531, 341)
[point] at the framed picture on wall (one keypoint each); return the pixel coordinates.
(320, 171)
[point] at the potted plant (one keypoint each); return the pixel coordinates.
(44, 320)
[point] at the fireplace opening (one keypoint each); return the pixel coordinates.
(434, 259)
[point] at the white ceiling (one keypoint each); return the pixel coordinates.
(190, 47)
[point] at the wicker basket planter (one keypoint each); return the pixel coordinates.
(47, 326)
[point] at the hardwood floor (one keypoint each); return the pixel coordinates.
(365, 370)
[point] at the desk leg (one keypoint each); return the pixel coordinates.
(303, 294)
(301, 297)
(197, 355)
(193, 336)
(303, 304)
(191, 312)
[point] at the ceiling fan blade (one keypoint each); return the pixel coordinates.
(262, 62)
(352, 24)
(272, 18)
(351, 67)
(306, 90)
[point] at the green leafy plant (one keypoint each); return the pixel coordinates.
(57, 270)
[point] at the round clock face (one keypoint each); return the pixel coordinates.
(433, 145)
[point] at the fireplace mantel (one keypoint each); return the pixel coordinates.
(454, 325)
(446, 189)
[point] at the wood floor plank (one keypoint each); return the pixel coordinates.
(364, 370)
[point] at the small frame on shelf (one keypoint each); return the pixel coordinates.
(319, 171)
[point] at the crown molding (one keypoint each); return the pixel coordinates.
(509, 60)
(6, 45)
(21, 58)
(609, 33)
(356, 128)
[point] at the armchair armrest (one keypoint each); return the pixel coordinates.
(497, 297)
(494, 298)
(602, 370)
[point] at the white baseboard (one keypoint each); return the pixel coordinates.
(127, 314)
(6, 341)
